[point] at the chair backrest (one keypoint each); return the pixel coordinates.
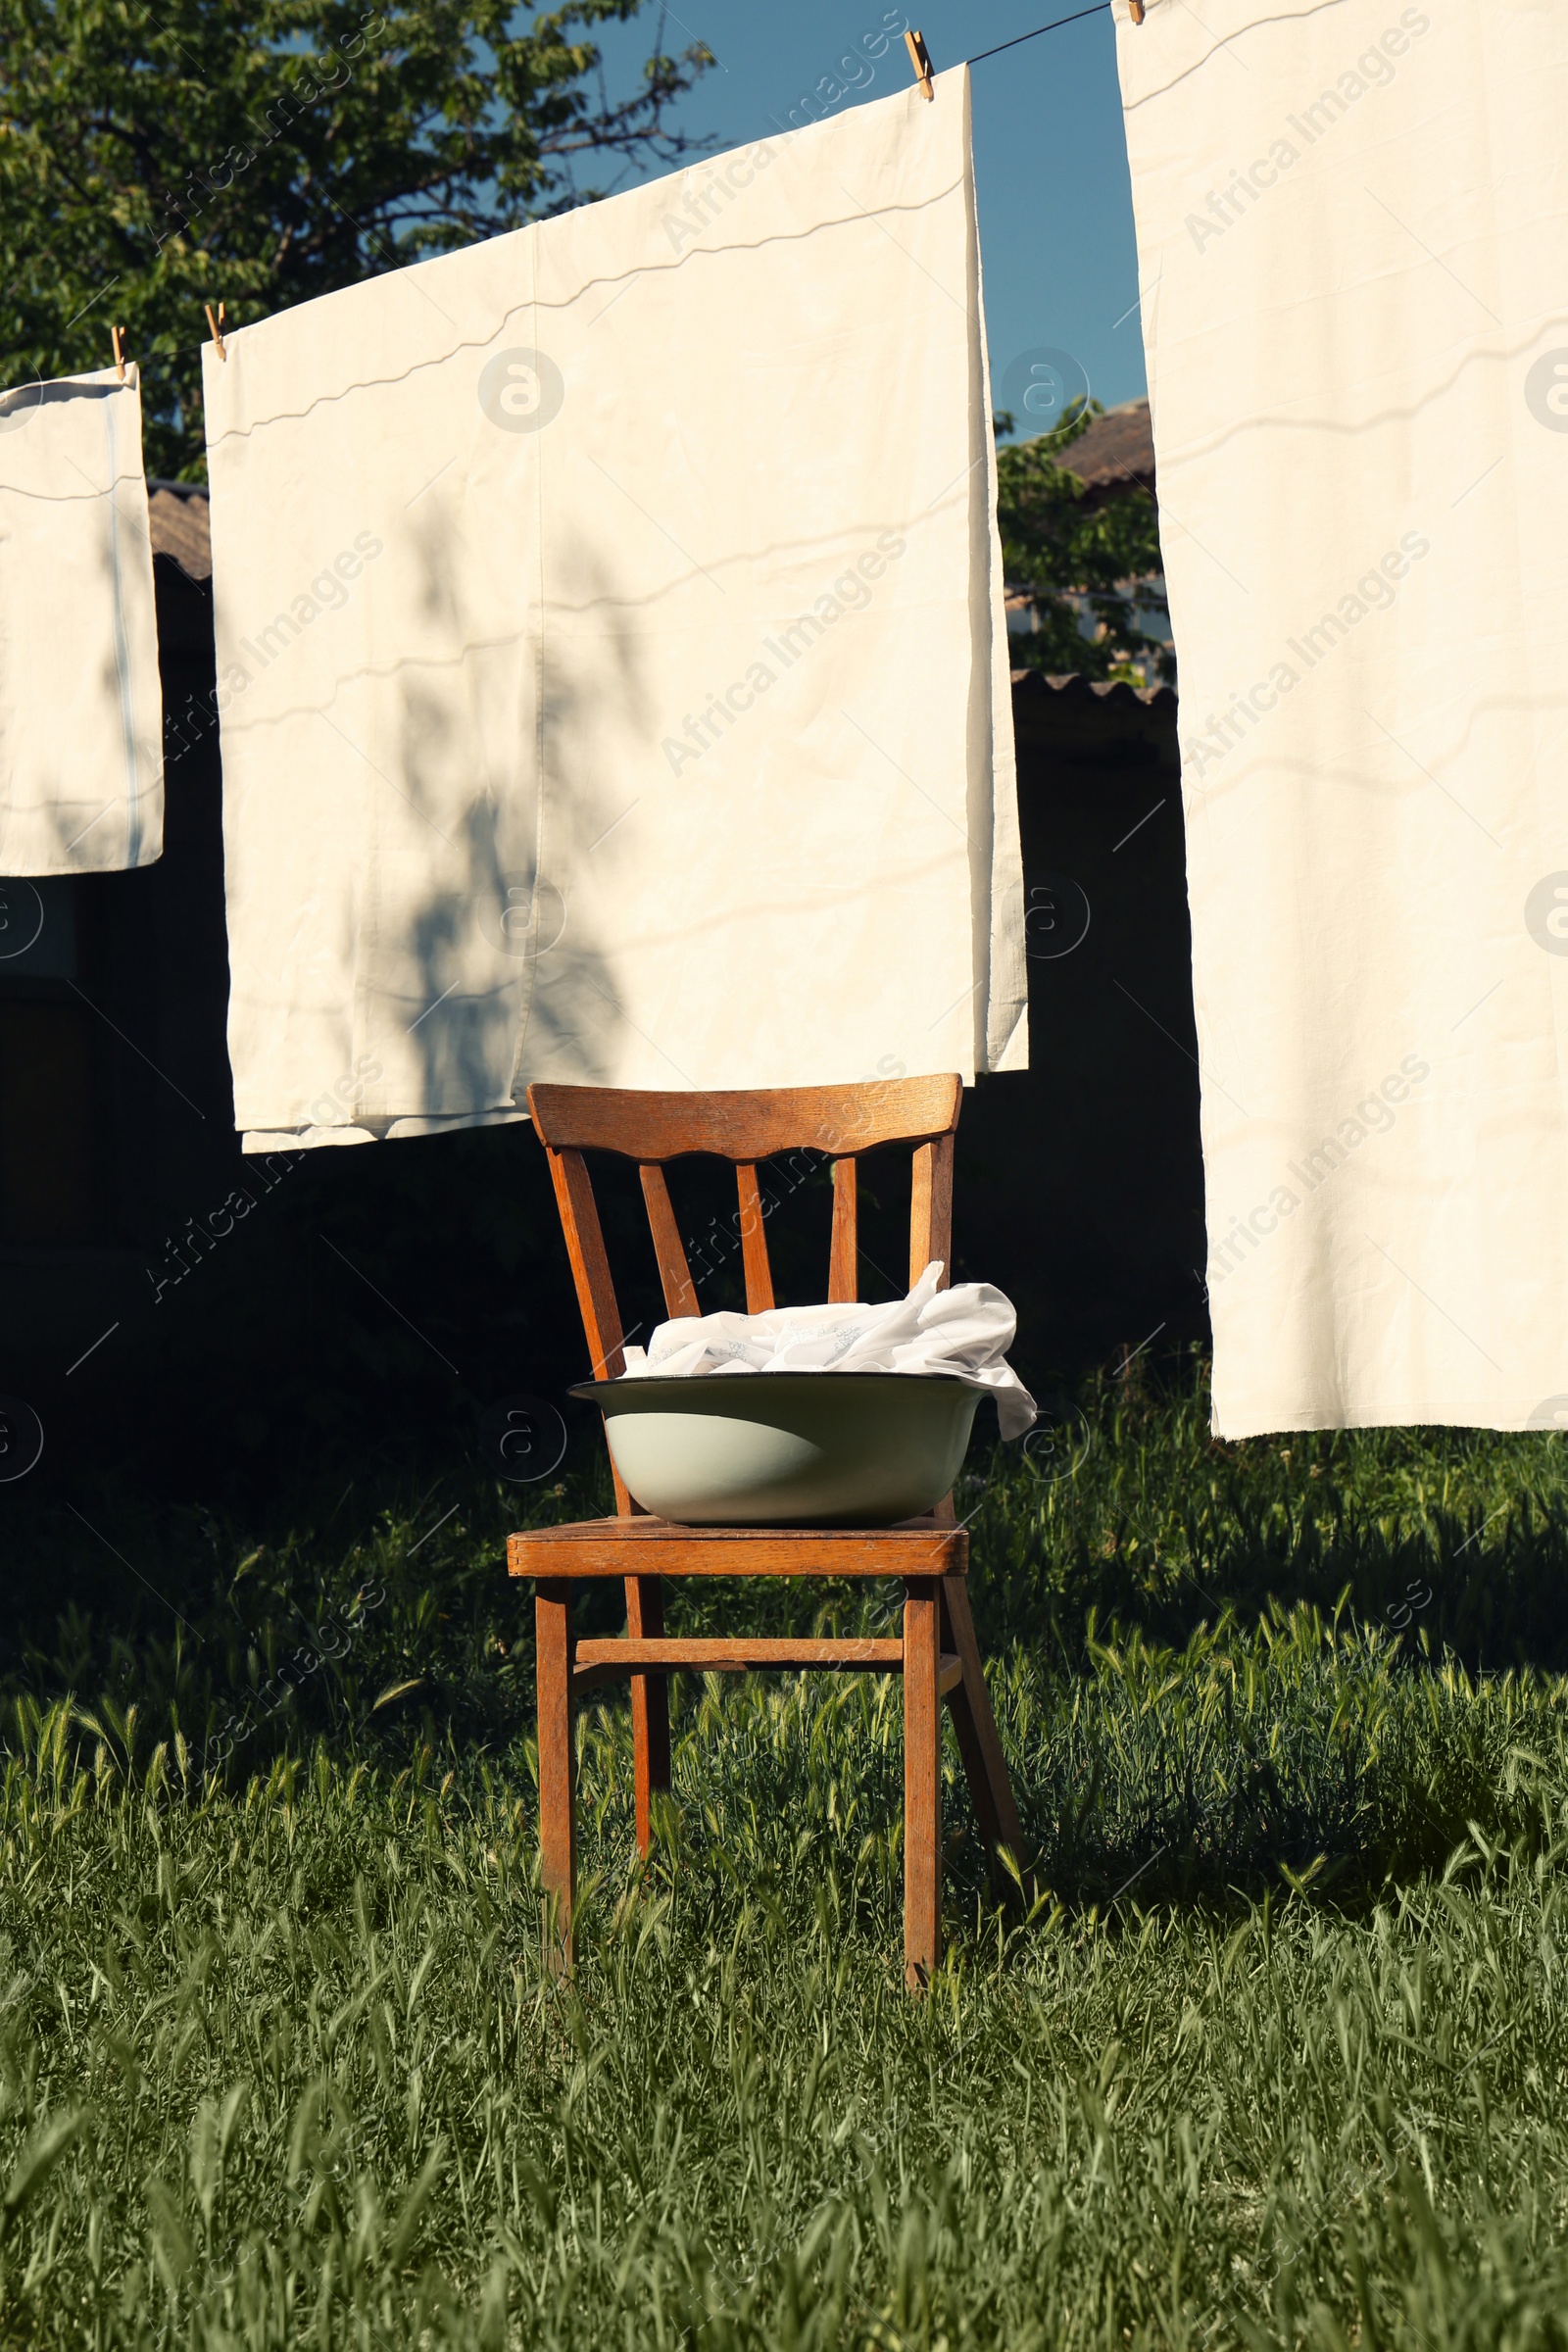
(744, 1128)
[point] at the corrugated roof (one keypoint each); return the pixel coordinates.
(1116, 453)
(1078, 688)
(177, 523)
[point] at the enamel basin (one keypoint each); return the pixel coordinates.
(787, 1449)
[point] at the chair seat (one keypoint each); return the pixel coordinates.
(647, 1547)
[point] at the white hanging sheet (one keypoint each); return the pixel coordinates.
(1352, 230)
(962, 1334)
(611, 658)
(81, 770)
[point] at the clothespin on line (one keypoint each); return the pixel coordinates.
(1135, 9)
(115, 336)
(921, 60)
(217, 325)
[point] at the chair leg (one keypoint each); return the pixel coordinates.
(551, 1617)
(984, 1765)
(650, 1704)
(923, 1783)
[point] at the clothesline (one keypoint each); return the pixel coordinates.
(1077, 18)
(1056, 25)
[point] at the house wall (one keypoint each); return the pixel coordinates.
(113, 1076)
(1080, 1183)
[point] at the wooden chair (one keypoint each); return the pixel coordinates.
(937, 1653)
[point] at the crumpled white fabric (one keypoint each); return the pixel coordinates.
(962, 1334)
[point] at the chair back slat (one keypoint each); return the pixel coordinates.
(839, 1120)
(931, 1209)
(590, 1266)
(596, 1292)
(680, 1292)
(754, 1243)
(844, 1260)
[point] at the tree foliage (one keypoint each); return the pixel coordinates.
(261, 152)
(1079, 562)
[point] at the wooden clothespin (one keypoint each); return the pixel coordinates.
(116, 333)
(1135, 9)
(921, 60)
(217, 325)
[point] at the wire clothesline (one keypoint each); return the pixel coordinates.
(1056, 25)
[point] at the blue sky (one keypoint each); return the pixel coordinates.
(1055, 213)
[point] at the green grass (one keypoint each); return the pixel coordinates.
(1278, 2056)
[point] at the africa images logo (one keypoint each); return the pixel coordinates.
(522, 391)
(1374, 69)
(1373, 1115)
(1547, 914)
(1547, 391)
